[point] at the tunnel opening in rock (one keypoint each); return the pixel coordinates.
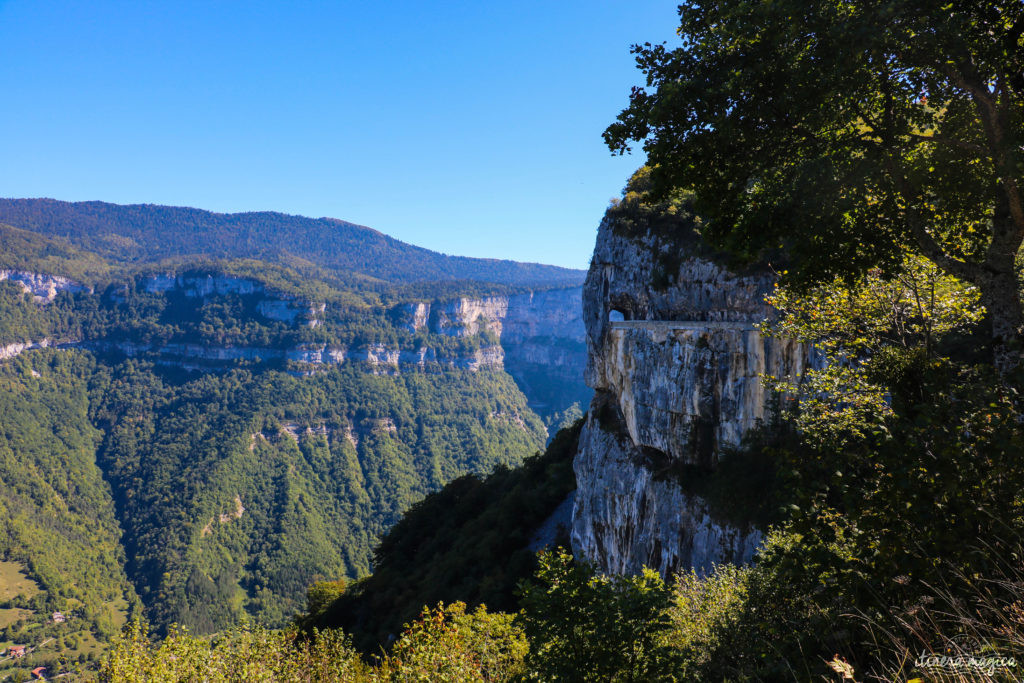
(616, 316)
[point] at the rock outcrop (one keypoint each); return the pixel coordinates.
(537, 334)
(13, 349)
(676, 361)
(204, 285)
(541, 334)
(516, 318)
(538, 337)
(43, 287)
(383, 359)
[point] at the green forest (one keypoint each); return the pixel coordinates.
(871, 153)
(198, 492)
(147, 233)
(203, 500)
(254, 523)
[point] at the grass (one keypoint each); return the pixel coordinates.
(14, 581)
(15, 614)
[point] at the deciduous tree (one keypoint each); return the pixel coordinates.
(835, 132)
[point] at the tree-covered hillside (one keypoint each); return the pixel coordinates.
(143, 233)
(237, 490)
(185, 455)
(219, 494)
(237, 481)
(473, 541)
(57, 517)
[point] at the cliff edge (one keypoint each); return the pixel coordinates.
(675, 361)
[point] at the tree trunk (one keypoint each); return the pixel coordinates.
(1000, 294)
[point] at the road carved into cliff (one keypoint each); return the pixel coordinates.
(681, 325)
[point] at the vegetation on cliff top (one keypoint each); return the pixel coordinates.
(842, 132)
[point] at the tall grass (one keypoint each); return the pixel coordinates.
(969, 628)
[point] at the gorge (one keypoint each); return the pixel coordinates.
(243, 421)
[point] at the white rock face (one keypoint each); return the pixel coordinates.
(278, 309)
(541, 333)
(43, 287)
(377, 356)
(625, 519)
(552, 313)
(691, 390)
(678, 378)
(466, 317)
(12, 350)
(201, 285)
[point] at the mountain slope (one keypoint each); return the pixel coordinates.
(142, 233)
(236, 490)
(207, 413)
(240, 428)
(57, 515)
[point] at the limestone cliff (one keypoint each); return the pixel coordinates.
(541, 334)
(538, 337)
(43, 287)
(676, 362)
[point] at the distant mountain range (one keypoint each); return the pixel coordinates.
(201, 414)
(143, 233)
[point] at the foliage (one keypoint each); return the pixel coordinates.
(838, 133)
(765, 622)
(238, 490)
(322, 594)
(449, 644)
(583, 625)
(977, 622)
(913, 305)
(243, 653)
(446, 644)
(891, 436)
(57, 518)
(29, 251)
(564, 419)
(469, 541)
(865, 331)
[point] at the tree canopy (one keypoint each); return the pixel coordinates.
(833, 133)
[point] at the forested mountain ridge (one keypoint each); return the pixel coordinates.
(238, 427)
(146, 233)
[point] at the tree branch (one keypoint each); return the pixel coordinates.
(965, 270)
(951, 142)
(995, 126)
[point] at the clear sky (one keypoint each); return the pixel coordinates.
(472, 128)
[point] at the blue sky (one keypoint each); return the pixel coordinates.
(471, 128)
